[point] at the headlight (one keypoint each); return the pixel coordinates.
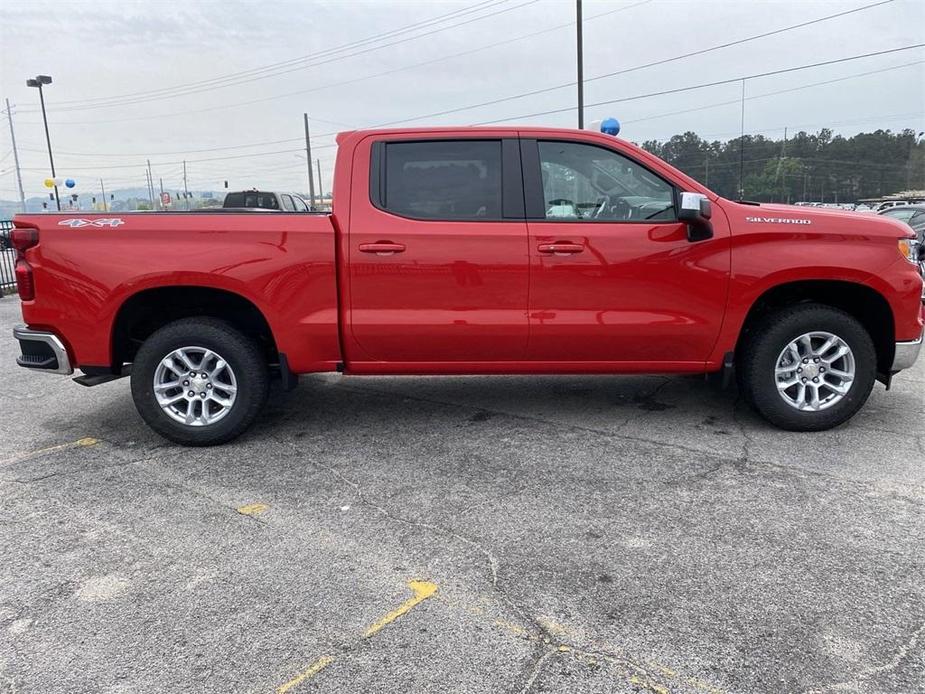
(908, 248)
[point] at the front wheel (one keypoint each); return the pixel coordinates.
(199, 382)
(808, 368)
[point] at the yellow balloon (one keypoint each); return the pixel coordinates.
(49, 183)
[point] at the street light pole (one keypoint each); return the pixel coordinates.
(308, 159)
(39, 81)
(581, 66)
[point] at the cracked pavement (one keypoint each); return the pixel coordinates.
(586, 534)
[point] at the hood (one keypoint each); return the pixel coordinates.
(815, 219)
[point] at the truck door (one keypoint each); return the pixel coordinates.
(613, 275)
(438, 260)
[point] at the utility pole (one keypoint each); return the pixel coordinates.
(780, 161)
(103, 191)
(581, 66)
(185, 186)
(320, 186)
(22, 196)
(742, 147)
(706, 164)
(161, 198)
(308, 155)
(150, 180)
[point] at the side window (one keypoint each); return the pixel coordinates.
(588, 183)
(443, 179)
(265, 201)
(300, 205)
(287, 203)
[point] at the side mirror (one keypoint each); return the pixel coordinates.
(696, 211)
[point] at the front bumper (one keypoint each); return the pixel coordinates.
(906, 353)
(42, 351)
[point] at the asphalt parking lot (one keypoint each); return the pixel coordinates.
(568, 534)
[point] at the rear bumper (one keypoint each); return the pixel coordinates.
(906, 353)
(42, 351)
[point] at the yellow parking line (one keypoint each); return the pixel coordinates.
(421, 590)
(252, 509)
(308, 673)
(79, 443)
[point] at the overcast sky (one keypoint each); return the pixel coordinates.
(122, 74)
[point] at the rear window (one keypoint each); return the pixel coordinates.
(443, 179)
(266, 201)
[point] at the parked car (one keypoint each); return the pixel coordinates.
(265, 200)
(896, 203)
(914, 216)
(910, 214)
(474, 251)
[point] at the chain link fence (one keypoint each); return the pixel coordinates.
(7, 260)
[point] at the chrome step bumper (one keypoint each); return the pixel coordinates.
(42, 351)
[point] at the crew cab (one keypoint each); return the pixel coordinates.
(265, 200)
(474, 251)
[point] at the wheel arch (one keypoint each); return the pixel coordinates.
(863, 302)
(145, 311)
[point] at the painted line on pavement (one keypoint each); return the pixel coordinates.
(421, 590)
(79, 443)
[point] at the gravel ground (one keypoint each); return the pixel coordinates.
(565, 534)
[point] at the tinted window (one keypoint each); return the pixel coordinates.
(587, 183)
(253, 198)
(443, 179)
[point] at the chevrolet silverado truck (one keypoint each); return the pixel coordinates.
(474, 251)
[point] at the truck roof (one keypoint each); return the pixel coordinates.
(442, 130)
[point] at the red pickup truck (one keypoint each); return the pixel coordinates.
(474, 251)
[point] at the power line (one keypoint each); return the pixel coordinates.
(251, 71)
(707, 84)
(626, 122)
(663, 61)
(184, 151)
(317, 137)
(286, 71)
(355, 79)
(189, 161)
(774, 93)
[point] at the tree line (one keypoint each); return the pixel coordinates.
(811, 167)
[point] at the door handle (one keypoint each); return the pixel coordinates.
(382, 248)
(561, 248)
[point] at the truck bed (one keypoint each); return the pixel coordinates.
(87, 265)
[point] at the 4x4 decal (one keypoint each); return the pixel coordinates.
(105, 222)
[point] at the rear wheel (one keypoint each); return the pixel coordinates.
(808, 368)
(199, 382)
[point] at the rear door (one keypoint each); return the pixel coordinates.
(438, 261)
(614, 277)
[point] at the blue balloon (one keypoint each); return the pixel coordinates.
(610, 126)
(70, 183)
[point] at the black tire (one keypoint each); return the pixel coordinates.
(243, 357)
(758, 357)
